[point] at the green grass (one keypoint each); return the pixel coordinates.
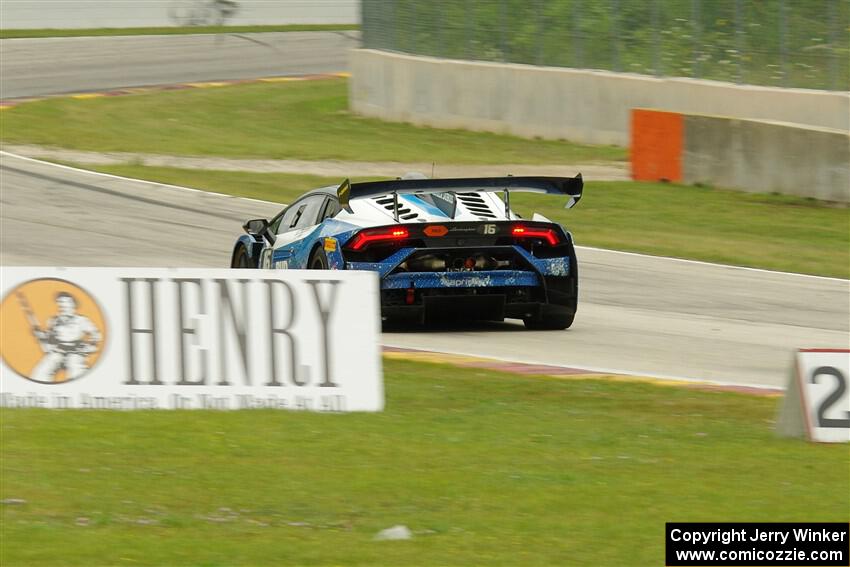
(485, 468)
(775, 232)
(8, 34)
(763, 231)
(305, 120)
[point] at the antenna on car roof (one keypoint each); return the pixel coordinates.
(507, 200)
(433, 166)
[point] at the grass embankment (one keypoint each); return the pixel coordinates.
(169, 30)
(485, 468)
(304, 120)
(310, 120)
(763, 231)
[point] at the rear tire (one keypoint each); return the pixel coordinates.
(241, 259)
(549, 321)
(318, 260)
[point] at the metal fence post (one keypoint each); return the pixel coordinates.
(696, 27)
(783, 49)
(615, 33)
(441, 26)
(577, 39)
(470, 23)
(366, 18)
(738, 47)
(413, 21)
(503, 50)
(656, 43)
(833, 40)
(381, 27)
(538, 37)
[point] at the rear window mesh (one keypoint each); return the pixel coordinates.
(404, 212)
(476, 205)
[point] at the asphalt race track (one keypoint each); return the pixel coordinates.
(35, 67)
(637, 314)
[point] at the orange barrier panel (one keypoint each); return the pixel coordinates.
(656, 145)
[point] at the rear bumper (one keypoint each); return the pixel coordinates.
(486, 307)
(484, 295)
(531, 287)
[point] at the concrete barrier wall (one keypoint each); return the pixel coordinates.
(750, 155)
(549, 102)
(66, 14)
(767, 157)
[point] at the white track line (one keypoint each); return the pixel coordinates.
(122, 178)
(461, 353)
(596, 369)
(702, 263)
(636, 254)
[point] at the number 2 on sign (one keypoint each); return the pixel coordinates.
(831, 399)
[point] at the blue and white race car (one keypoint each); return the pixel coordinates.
(440, 246)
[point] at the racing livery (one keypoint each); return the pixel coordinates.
(440, 246)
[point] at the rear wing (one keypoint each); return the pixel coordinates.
(446, 188)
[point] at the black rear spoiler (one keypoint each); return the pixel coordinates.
(569, 186)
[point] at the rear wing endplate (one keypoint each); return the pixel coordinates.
(568, 186)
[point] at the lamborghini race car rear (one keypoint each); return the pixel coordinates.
(475, 270)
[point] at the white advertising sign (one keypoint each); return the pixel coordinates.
(822, 376)
(132, 338)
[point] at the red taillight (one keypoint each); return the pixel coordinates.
(366, 237)
(534, 232)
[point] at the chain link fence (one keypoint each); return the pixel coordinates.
(786, 43)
